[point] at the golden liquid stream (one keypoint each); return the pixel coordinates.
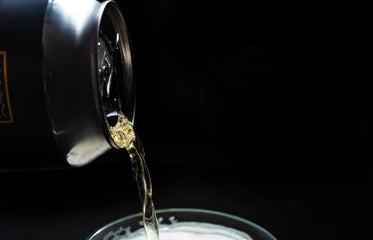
(124, 136)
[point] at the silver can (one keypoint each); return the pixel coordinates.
(65, 72)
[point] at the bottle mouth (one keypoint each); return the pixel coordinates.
(114, 66)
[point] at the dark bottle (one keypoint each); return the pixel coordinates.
(65, 72)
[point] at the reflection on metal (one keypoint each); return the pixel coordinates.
(87, 70)
(76, 14)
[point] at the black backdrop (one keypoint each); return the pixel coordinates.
(260, 85)
(246, 108)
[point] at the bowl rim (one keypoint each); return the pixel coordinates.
(189, 210)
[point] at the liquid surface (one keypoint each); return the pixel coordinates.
(124, 136)
(189, 231)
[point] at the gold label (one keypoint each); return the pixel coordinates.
(5, 110)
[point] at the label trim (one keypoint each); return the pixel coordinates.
(6, 115)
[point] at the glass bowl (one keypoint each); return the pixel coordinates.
(166, 216)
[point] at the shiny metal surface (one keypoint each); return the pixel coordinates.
(72, 86)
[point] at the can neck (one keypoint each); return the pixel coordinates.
(87, 74)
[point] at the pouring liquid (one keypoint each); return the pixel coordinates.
(124, 136)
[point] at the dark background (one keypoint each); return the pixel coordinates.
(251, 109)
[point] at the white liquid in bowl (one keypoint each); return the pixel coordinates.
(189, 231)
